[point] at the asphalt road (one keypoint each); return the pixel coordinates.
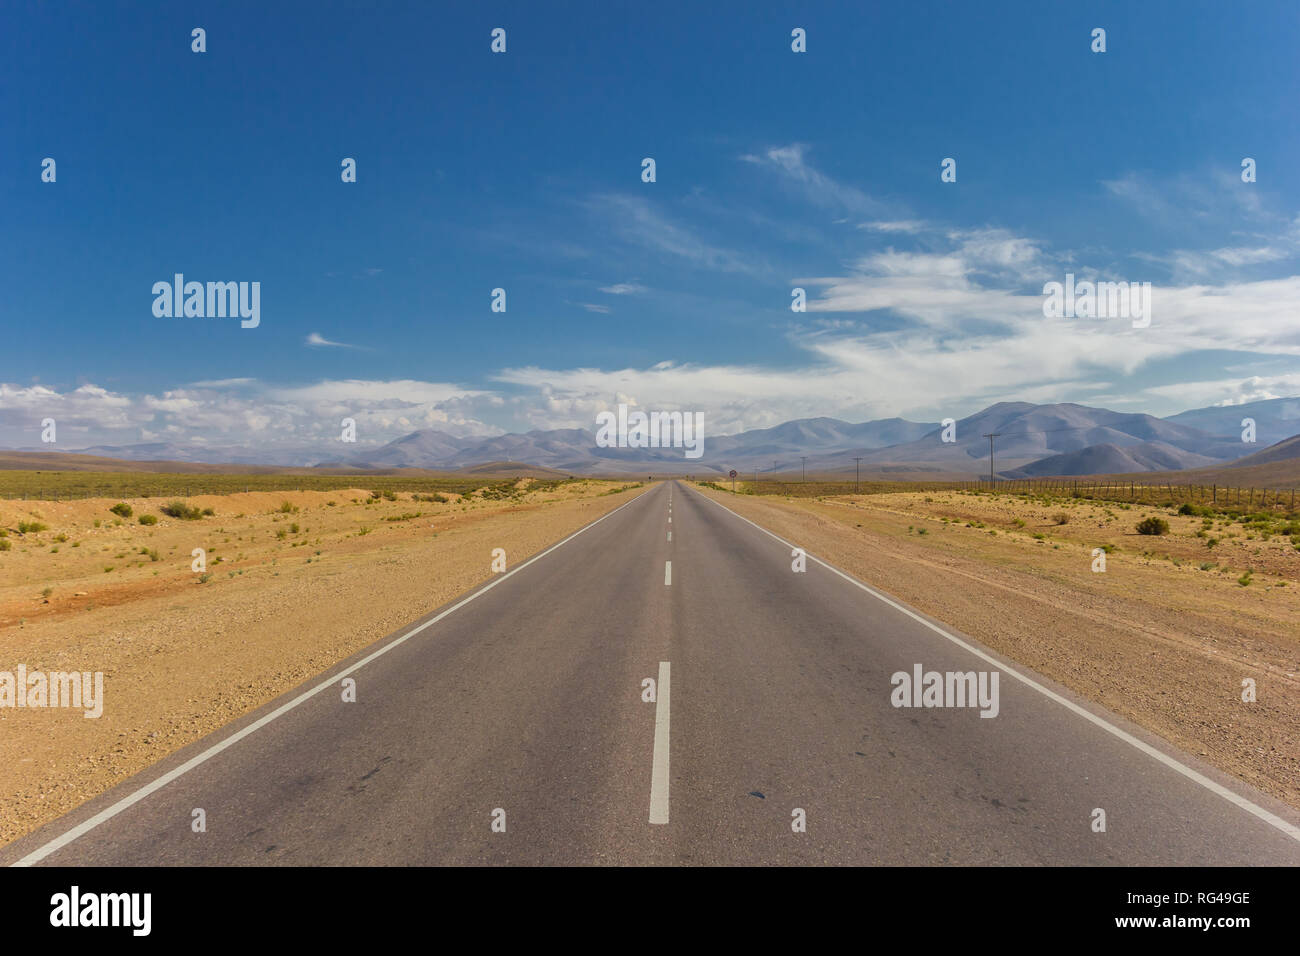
(773, 695)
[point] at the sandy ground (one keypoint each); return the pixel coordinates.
(285, 594)
(1166, 645)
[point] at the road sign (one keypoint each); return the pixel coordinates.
(733, 473)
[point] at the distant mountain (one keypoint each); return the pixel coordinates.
(566, 449)
(792, 439)
(289, 456)
(415, 450)
(1060, 439)
(1027, 433)
(575, 449)
(1285, 450)
(1275, 419)
(147, 451)
(1108, 459)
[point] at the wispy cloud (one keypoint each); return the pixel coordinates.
(820, 188)
(1210, 207)
(316, 340)
(1215, 198)
(637, 221)
(623, 288)
(910, 226)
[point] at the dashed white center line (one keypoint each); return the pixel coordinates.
(670, 536)
(668, 572)
(659, 775)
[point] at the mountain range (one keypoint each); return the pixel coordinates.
(1030, 440)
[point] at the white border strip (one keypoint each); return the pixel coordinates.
(659, 778)
(1272, 819)
(108, 813)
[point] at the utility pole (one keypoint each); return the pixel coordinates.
(990, 436)
(804, 459)
(857, 474)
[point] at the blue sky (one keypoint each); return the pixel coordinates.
(522, 170)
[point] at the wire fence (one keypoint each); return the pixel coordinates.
(72, 485)
(1154, 493)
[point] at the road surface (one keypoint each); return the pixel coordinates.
(511, 728)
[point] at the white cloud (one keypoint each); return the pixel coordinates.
(1232, 391)
(910, 226)
(319, 341)
(243, 412)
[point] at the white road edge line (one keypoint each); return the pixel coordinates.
(1272, 819)
(109, 812)
(659, 774)
(668, 572)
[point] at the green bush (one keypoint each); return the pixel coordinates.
(122, 509)
(1153, 525)
(179, 509)
(31, 527)
(148, 519)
